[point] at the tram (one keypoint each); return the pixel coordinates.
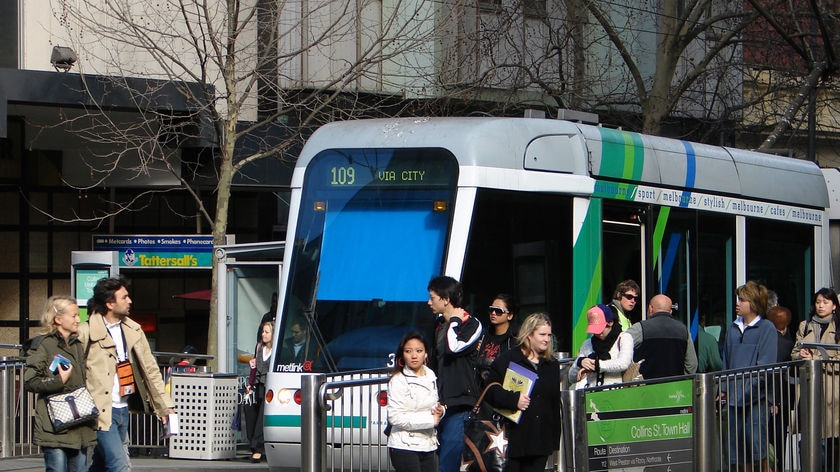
(554, 212)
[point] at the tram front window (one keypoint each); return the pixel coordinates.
(370, 234)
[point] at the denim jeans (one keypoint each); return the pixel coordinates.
(60, 459)
(451, 429)
(110, 454)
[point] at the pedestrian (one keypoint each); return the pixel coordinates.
(64, 451)
(500, 336)
(260, 367)
(662, 344)
(537, 434)
(457, 335)
(625, 298)
(750, 341)
(605, 356)
(413, 408)
(121, 371)
(823, 326)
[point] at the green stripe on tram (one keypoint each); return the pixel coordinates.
(293, 421)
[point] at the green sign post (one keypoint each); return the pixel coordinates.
(649, 427)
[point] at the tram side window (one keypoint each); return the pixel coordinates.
(781, 255)
(693, 263)
(520, 243)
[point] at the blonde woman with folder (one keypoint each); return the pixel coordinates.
(537, 433)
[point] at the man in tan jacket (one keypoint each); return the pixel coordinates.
(121, 372)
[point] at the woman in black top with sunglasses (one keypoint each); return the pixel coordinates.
(500, 336)
(625, 297)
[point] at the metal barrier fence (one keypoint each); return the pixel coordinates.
(17, 413)
(699, 422)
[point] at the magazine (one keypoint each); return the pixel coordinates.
(517, 379)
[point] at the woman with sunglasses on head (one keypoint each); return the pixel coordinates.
(501, 336)
(413, 408)
(55, 363)
(625, 298)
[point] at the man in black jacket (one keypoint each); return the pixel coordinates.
(663, 342)
(456, 355)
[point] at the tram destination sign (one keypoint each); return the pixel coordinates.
(159, 251)
(646, 427)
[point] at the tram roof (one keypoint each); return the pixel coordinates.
(571, 148)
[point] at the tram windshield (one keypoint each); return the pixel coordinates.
(371, 232)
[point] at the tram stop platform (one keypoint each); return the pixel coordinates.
(147, 464)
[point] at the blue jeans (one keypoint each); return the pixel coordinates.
(60, 459)
(451, 429)
(110, 454)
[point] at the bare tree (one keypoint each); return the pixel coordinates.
(234, 68)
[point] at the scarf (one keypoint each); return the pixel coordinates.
(601, 347)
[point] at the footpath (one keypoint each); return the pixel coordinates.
(147, 464)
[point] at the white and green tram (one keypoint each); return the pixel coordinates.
(554, 212)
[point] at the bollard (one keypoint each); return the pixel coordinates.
(313, 419)
(705, 422)
(566, 457)
(7, 406)
(811, 407)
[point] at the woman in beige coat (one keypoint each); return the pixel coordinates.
(824, 327)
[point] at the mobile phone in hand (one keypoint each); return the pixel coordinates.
(59, 361)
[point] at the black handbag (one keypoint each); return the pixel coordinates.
(485, 439)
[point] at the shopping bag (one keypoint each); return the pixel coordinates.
(632, 373)
(72, 408)
(485, 439)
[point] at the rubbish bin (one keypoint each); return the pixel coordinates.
(205, 403)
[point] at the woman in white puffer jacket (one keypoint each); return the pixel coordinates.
(413, 408)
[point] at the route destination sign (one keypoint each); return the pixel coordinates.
(647, 427)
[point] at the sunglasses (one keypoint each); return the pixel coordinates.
(630, 297)
(494, 310)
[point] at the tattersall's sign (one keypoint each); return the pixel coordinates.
(159, 252)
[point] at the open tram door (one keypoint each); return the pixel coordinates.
(624, 252)
(248, 285)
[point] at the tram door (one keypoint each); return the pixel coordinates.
(623, 252)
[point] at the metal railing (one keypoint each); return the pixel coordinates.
(17, 411)
(699, 422)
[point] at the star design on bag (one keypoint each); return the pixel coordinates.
(465, 465)
(498, 441)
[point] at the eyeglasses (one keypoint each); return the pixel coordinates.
(494, 310)
(630, 296)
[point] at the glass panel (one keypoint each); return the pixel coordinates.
(38, 255)
(368, 240)
(10, 262)
(10, 201)
(9, 299)
(516, 248)
(780, 255)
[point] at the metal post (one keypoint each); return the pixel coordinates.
(7, 406)
(313, 419)
(566, 456)
(810, 409)
(704, 423)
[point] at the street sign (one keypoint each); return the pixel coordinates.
(649, 427)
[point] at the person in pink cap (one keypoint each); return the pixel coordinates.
(604, 356)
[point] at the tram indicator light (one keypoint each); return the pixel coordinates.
(320, 206)
(382, 398)
(439, 205)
